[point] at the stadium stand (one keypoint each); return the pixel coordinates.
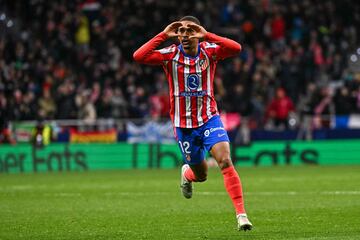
(73, 59)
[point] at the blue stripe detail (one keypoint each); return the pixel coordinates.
(189, 56)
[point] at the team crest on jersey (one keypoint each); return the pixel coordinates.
(203, 63)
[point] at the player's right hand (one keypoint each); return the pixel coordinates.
(171, 29)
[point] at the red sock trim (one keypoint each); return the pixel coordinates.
(233, 187)
(189, 175)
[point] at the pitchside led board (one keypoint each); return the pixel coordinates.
(83, 157)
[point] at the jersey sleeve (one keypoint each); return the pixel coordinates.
(222, 47)
(148, 55)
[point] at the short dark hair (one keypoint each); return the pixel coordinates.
(191, 19)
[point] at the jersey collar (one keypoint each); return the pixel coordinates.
(186, 55)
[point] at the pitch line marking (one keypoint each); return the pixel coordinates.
(27, 188)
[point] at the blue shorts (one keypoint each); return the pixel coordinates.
(195, 142)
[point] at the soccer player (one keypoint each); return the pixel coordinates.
(190, 69)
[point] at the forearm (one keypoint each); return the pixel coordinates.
(146, 54)
(227, 48)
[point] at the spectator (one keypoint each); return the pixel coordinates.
(159, 104)
(41, 134)
(86, 107)
(277, 30)
(66, 101)
(341, 101)
(118, 105)
(82, 34)
(139, 103)
(239, 96)
(104, 108)
(305, 105)
(5, 131)
(47, 107)
(280, 108)
(323, 108)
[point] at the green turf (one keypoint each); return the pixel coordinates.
(309, 202)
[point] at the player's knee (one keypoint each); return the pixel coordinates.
(201, 178)
(224, 163)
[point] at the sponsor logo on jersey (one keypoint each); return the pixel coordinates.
(193, 94)
(193, 81)
(216, 129)
(208, 131)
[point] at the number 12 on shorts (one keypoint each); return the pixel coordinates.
(184, 146)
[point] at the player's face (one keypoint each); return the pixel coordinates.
(184, 33)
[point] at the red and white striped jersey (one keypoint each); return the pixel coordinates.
(190, 78)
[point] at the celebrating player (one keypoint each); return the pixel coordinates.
(190, 69)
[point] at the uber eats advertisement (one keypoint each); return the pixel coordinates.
(58, 157)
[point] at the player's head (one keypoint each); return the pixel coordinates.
(280, 93)
(191, 19)
(184, 32)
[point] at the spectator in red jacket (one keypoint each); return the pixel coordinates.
(279, 108)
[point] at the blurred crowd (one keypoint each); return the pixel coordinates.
(64, 59)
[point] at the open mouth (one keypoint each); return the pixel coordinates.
(185, 41)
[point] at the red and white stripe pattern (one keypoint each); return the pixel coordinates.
(190, 80)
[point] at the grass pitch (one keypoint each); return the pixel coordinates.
(308, 202)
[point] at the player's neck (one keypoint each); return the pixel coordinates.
(192, 51)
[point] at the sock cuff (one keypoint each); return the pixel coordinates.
(241, 215)
(189, 175)
(228, 170)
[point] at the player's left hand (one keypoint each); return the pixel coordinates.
(199, 31)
